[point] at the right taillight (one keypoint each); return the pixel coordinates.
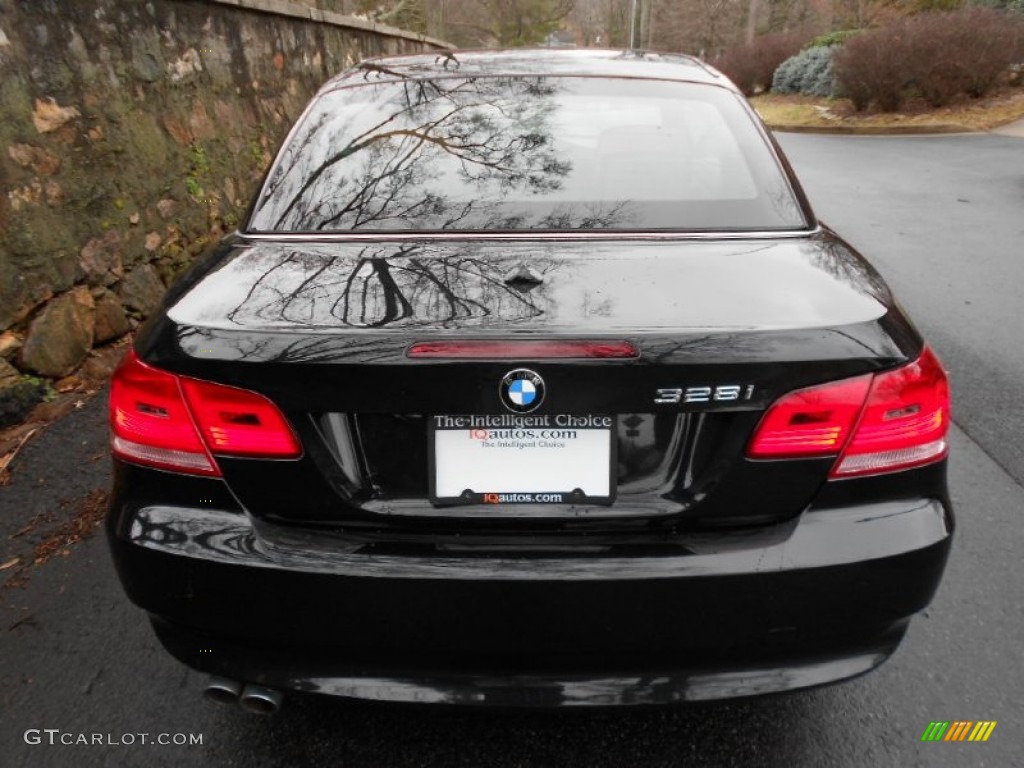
(172, 422)
(874, 424)
(904, 422)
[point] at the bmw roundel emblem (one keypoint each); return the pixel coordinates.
(521, 390)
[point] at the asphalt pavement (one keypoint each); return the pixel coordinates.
(941, 217)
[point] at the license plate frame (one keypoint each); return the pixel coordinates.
(594, 441)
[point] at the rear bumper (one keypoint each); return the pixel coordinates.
(818, 599)
(665, 684)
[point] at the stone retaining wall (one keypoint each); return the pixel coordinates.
(131, 133)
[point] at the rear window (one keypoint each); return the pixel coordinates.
(526, 153)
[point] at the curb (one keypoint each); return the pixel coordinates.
(1015, 129)
(876, 130)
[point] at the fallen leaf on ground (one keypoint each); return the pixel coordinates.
(5, 462)
(87, 519)
(28, 621)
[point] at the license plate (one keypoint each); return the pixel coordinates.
(522, 459)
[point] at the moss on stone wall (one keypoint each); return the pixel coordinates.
(131, 134)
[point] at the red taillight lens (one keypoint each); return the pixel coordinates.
(875, 423)
(236, 422)
(541, 349)
(171, 422)
(905, 421)
(150, 422)
(810, 422)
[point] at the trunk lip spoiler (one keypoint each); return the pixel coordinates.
(528, 236)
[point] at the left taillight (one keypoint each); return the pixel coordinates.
(178, 423)
(237, 422)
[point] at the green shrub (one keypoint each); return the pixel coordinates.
(809, 72)
(834, 38)
(1016, 6)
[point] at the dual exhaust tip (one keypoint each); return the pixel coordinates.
(257, 699)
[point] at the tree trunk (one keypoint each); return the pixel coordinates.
(753, 9)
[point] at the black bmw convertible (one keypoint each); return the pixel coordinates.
(530, 379)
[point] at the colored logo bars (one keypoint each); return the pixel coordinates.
(958, 730)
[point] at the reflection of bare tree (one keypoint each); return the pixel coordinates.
(780, 198)
(285, 347)
(381, 290)
(378, 287)
(835, 257)
(369, 156)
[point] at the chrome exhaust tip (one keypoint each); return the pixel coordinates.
(260, 700)
(222, 690)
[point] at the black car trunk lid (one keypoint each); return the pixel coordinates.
(324, 329)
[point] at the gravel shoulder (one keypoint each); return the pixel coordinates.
(808, 114)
